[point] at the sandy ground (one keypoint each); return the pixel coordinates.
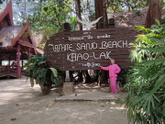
(21, 104)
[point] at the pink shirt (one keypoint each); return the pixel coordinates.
(113, 70)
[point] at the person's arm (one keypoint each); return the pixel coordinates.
(105, 68)
(117, 70)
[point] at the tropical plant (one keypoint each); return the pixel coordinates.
(41, 73)
(49, 17)
(145, 101)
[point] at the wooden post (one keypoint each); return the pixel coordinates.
(111, 23)
(67, 77)
(28, 58)
(0, 62)
(18, 61)
(66, 29)
(68, 87)
(9, 61)
(22, 65)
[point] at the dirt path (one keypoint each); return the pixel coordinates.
(21, 104)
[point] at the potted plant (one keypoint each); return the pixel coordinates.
(41, 73)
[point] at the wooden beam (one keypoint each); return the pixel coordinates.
(22, 64)
(18, 61)
(28, 56)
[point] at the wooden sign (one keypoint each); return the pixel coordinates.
(82, 50)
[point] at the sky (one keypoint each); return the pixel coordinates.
(19, 8)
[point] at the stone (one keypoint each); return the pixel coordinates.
(68, 88)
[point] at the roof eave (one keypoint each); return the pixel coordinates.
(8, 11)
(23, 30)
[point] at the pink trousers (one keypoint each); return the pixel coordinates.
(112, 84)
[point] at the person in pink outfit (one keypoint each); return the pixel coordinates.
(113, 69)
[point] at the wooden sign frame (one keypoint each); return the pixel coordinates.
(83, 50)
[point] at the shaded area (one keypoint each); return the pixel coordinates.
(18, 100)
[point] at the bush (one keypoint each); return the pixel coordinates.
(145, 101)
(40, 73)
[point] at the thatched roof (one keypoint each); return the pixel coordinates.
(7, 34)
(38, 38)
(129, 19)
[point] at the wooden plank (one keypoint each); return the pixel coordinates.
(84, 50)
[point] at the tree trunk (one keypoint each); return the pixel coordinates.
(24, 15)
(105, 17)
(78, 13)
(101, 10)
(154, 12)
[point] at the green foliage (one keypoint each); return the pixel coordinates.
(38, 71)
(1, 1)
(154, 38)
(50, 16)
(127, 5)
(145, 101)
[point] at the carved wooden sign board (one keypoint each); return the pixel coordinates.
(82, 50)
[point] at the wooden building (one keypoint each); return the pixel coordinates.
(16, 44)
